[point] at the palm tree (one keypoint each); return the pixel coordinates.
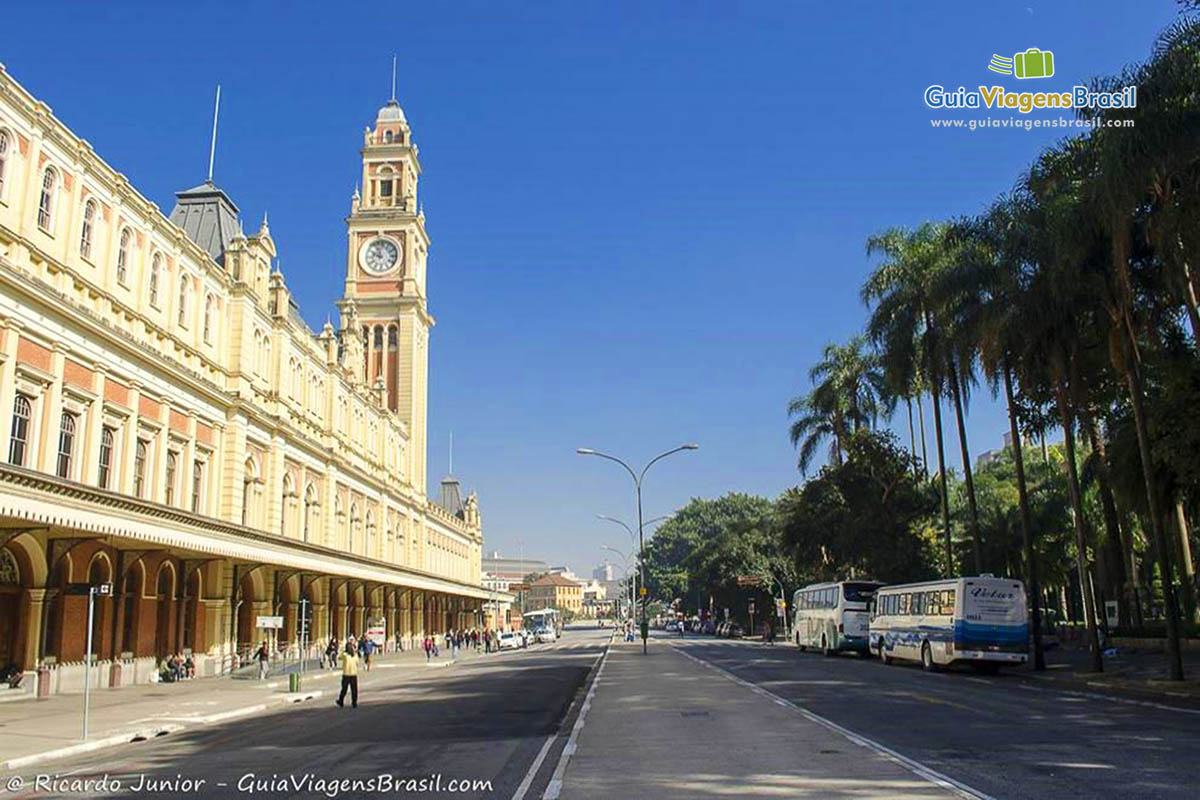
(902, 325)
(992, 269)
(818, 418)
(848, 393)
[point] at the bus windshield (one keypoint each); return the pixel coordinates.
(859, 592)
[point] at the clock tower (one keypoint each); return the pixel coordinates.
(384, 302)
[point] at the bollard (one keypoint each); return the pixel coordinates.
(294, 682)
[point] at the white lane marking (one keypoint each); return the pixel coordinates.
(541, 756)
(533, 768)
(554, 788)
(1096, 696)
(916, 767)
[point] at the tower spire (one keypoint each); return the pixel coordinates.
(212, 147)
(393, 78)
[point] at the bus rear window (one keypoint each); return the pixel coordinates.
(859, 592)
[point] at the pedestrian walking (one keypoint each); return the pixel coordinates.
(368, 651)
(349, 677)
(331, 651)
(427, 645)
(264, 660)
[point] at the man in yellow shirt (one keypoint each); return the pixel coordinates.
(349, 677)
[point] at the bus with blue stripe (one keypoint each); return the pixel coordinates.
(981, 621)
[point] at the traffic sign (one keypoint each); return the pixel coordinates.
(643, 592)
(269, 622)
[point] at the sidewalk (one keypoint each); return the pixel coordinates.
(665, 726)
(32, 731)
(1132, 672)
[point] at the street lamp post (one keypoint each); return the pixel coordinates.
(632, 543)
(637, 482)
(625, 573)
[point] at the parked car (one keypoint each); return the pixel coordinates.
(544, 635)
(735, 631)
(672, 627)
(509, 641)
(708, 627)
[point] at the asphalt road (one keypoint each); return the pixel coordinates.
(482, 719)
(994, 734)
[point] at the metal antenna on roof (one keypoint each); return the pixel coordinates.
(393, 78)
(212, 148)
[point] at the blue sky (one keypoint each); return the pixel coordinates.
(648, 218)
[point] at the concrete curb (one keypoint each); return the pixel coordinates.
(112, 740)
(147, 733)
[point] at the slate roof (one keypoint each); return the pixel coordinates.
(208, 217)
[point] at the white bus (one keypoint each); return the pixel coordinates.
(980, 621)
(547, 618)
(833, 617)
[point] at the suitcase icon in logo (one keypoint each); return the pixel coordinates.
(1033, 63)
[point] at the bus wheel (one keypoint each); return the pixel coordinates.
(927, 662)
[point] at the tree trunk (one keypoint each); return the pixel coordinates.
(1114, 541)
(941, 454)
(1085, 586)
(1170, 607)
(1187, 573)
(921, 424)
(1031, 576)
(976, 545)
(912, 440)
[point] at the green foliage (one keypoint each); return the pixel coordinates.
(698, 554)
(864, 518)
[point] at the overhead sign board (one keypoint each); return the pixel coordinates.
(269, 622)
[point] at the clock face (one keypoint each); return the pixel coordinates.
(380, 256)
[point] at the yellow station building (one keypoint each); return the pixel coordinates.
(173, 427)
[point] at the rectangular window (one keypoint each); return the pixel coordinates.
(106, 456)
(66, 444)
(19, 441)
(948, 603)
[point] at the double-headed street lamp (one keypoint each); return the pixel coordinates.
(626, 573)
(637, 482)
(633, 543)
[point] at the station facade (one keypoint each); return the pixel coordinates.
(174, 429)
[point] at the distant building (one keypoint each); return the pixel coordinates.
(514, 568)
(604, 572)
(555, 591)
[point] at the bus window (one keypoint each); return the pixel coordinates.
(948, 603)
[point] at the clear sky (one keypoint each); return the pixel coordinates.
(647, 217)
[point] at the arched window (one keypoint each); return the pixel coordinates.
(106, 456)
(66, 444)
(289, 492)
(197, 485)
(248, 491)
(4, 142)
(184, 280)
(387, 137)
(88, 229)
(310, 509)
(18, 443)
(139, 468)
(209, 302)
(155, 269)
(123, 256)
(46, 203)
(172, 473)
(392, 337)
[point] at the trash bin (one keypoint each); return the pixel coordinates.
(294, 682)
